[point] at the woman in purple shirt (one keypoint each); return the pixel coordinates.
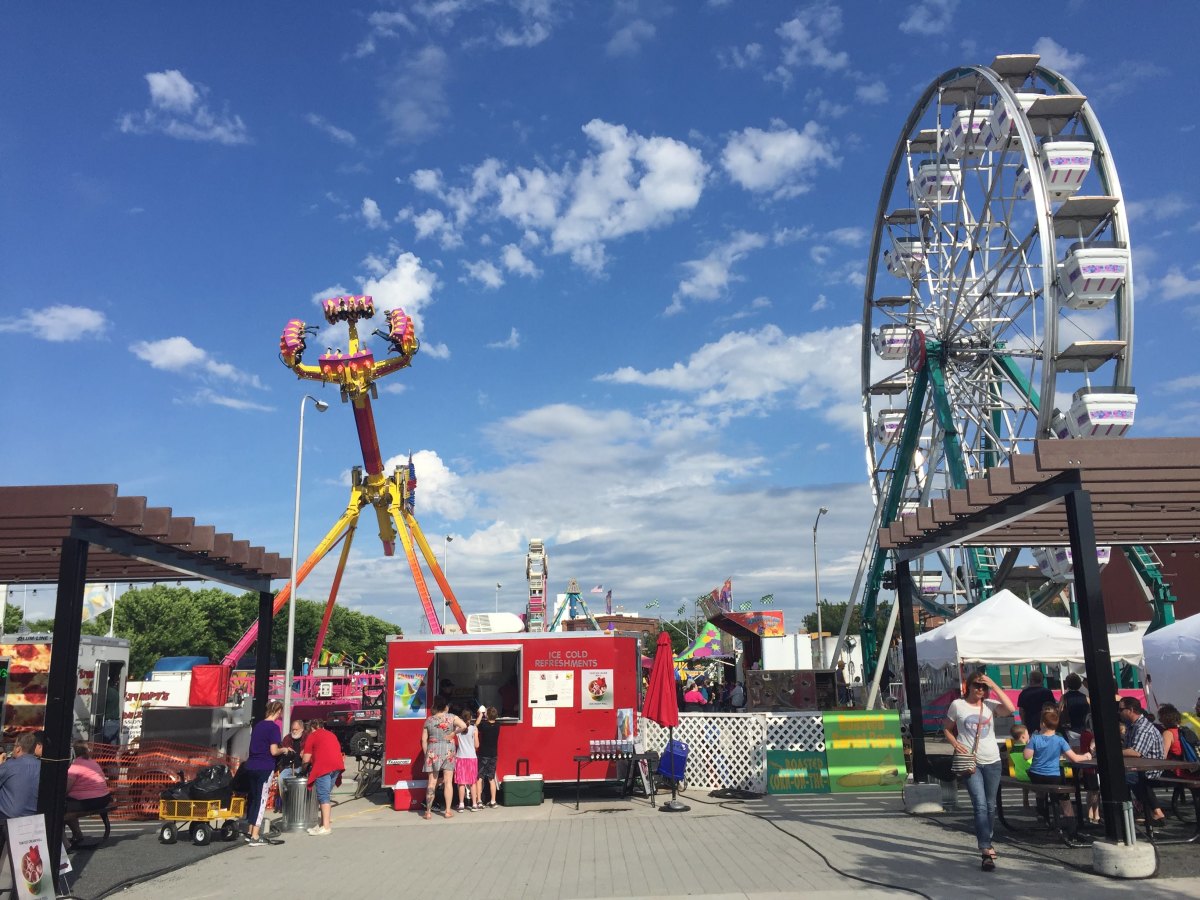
(264, 747)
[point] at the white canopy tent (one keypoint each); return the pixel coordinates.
(1173, 663)
(1005, 630)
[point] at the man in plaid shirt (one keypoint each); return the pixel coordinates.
(1143, 740)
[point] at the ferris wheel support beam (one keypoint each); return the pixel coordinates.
(904, 456)
(982, 570)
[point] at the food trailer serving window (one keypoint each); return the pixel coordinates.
(485, 674)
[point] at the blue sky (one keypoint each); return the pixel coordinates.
(632, 236)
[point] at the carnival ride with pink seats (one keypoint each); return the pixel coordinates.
(390, 496)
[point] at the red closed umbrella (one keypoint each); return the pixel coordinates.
(661, 705)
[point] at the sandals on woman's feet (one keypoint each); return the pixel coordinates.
(991, 853)
(427, 815)
(988, 863)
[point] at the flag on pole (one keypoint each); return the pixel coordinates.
(598, 589)
(767, 599)
(745, 605)
(682, 609)
(96, 600)
(653, 604)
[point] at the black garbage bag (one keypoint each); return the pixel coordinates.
(180, 791)
(213, 783)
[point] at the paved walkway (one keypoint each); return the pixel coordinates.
(841, 846)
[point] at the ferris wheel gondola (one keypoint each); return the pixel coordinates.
(998, 305)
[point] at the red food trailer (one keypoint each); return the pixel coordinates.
(556, 692)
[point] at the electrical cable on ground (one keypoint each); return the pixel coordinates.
(736, 796)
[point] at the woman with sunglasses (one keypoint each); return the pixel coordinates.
(970, 727)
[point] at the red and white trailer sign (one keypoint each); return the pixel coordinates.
(555, 692)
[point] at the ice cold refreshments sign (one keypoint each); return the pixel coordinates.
(567, 659)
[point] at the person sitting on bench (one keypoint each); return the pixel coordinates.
(1045, 749)
(87, 791)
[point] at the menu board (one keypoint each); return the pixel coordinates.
(555, 688)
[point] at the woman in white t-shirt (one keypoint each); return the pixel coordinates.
(970, 726)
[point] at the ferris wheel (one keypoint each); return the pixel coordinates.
(998, 304)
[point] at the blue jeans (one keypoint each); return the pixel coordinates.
(983, 786)
(324, 787)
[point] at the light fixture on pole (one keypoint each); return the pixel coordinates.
(290, 658)
(817, 580)
(497, 596)
(446, 573)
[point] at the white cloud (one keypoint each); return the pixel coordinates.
(1157, 209)
(875, 92)
(709, 277)
(741, 57)
(929, 17)
(58, 323)
(404, 283)
(172, 92)
(1176, 285)
(432, 223)
(819, 254)
(177, 109)
(384, 24)
(485, 273)
(512, 342)
(821, 303)
(208, 395)
(850, 236)
(371, 214)
(518, 263)
(745, 373)
(806, 38)
(439, 490)
(178, 354)
(628, 184)
(628, 40)
(1057, 57)
(1187, 383)
(435, 350)
(782, 161)
(414, 96)
(340, 135)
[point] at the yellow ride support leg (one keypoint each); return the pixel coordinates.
(394, 509)
(348, 519)
(419, 536)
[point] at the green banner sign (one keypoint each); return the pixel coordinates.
(797, 772)
(864, 751)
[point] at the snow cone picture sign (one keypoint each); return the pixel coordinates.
(29, 855)
(596, 688)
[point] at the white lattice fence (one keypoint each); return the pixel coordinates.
(728, 750)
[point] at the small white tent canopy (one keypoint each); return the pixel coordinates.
(1005, 630)
(1173, 662)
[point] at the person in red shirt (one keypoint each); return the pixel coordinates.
(323, 753)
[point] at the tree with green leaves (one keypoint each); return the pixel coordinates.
(165, 620)
(832, 615)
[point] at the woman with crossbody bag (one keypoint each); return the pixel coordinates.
(970, 729)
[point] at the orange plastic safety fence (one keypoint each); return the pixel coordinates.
(139, 773)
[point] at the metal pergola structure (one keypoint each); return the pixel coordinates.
(1066, 493)
(73, 534)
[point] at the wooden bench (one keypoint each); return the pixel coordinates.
(102, 814)
(1053, 794)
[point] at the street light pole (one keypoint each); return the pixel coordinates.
(497, 596)
(446, 573)
(321, 406)
(817, 580)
